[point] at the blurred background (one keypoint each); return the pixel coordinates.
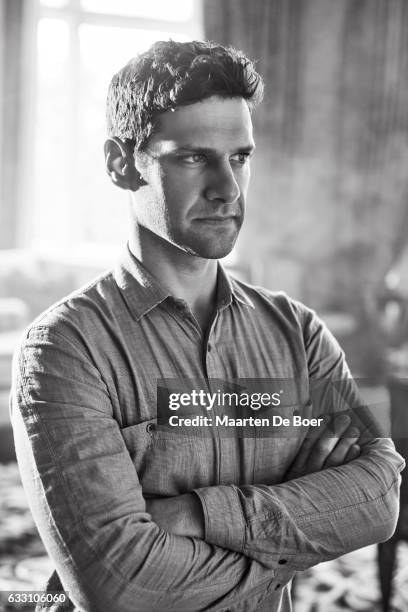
(328, 206)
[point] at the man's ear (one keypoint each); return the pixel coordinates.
(120, 164)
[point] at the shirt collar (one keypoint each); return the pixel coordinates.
(228, 288)
(140, 289)
(143, 292)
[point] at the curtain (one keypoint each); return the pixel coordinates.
(269, 32)
(329, 175)
(11, 69)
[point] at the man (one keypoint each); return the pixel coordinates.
(141, 517)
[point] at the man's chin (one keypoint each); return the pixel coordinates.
(211, 251)
(212, 246)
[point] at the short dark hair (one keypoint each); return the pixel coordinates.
(171, 74)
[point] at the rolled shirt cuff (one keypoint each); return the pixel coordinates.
(223, 517)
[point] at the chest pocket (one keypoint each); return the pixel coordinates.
(170, 463)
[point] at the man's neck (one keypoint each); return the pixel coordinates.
(187, 277)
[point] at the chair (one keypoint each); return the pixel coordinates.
(398, 390)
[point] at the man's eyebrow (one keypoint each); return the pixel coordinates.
(250, 148)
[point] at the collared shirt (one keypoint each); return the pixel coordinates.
(84, 412)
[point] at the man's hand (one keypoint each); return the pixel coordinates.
(320, 451)
(179, 515)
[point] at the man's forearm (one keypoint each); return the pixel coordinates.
(314, 518)
(311, 519)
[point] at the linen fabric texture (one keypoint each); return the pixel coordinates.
(83, 408)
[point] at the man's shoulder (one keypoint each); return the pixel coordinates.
(301, 325)
(276, 301)
(80, 308)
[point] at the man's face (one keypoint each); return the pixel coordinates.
(196, 170)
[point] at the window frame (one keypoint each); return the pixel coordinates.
(74, 16)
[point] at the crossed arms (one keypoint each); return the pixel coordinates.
(109, 550)
(183, 514)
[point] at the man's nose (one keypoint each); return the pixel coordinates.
(222, 184)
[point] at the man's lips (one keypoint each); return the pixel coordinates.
(217, 219)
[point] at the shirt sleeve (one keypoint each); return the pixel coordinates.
(87, 501)
(323, 515)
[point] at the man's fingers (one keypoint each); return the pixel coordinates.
(316, 448)
(353, 453)
(297, 467)
(325, 445)
(342, 448)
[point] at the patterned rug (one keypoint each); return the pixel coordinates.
(348, 583)
(351, 583)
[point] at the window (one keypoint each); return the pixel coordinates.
(80, 44)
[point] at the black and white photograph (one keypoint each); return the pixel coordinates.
(203, 305)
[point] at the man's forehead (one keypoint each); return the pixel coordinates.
(206, 123)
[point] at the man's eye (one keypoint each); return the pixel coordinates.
(193, 158)
(241, 157)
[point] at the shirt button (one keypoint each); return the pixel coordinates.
(150, 427)
(282, 561)
(277, 587)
